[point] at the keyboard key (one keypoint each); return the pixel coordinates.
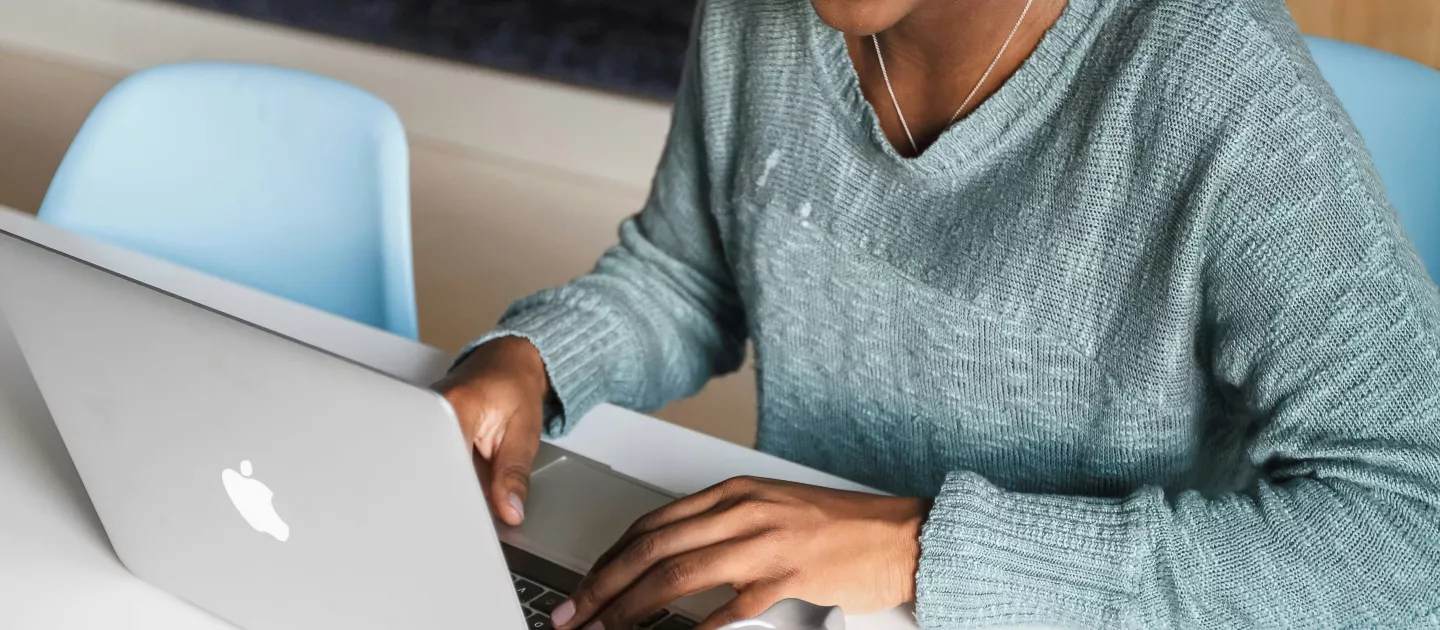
(547, 602)
(538, 621)
(527, 590)
(676, 622)
(655, 618)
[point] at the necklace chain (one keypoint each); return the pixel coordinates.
(956, 116)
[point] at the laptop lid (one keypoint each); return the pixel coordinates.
(270, 483)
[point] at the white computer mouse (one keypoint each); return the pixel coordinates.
(794, 614)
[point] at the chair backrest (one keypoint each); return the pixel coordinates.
(1395, 103)
(284, 181)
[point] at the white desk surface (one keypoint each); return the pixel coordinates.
(57, 569)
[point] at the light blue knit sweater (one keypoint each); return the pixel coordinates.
(1144, 324)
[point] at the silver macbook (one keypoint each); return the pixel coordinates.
(278, 486)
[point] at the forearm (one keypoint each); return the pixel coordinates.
(640, 330)
(1309, 553)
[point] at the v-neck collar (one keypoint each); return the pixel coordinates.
(971, 137)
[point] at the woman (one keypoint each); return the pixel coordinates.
(1133, 334)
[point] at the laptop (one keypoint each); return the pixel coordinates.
(279, 486)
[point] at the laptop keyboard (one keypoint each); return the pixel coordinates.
(542, 585)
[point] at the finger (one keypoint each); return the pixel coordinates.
(645, 552)
(482, 471)
(465, 408)
(514, 455)
(718, 495)
(643, 528)
(487, 430)
(747, 605)
(729, 562)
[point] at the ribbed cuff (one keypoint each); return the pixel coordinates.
(991, 557)
(581, 350)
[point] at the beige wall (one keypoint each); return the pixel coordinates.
(1410, 28)
(41, 107)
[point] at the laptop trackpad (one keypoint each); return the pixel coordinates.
(579, 509)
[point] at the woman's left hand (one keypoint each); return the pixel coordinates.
(770, 540)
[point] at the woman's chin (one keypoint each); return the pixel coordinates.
(859, 18)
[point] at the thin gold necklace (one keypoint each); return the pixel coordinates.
(956, 116)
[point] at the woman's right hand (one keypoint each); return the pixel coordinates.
(499, 393)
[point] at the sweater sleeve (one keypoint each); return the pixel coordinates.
(1321, 333)
(659, 315)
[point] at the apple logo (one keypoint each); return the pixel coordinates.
(253, 500)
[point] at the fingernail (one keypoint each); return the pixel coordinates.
(563, 612)
(595, 625)
(517, 505)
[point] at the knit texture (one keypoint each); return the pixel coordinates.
(1144, 324)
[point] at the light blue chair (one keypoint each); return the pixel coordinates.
(284, 181)
(1395, 103)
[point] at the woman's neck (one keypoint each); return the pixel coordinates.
(936, 55)
(942, 35)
